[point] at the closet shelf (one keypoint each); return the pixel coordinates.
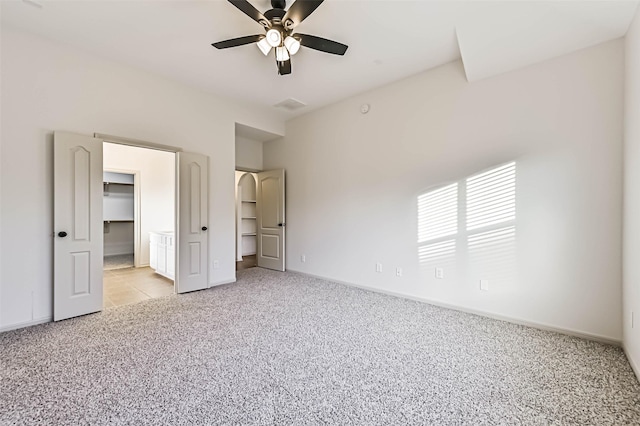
(248, 201)
(118, 183)
(118, 220)
(249, 217)
(248, 234)
(117, 178)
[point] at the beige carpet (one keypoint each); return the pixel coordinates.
(282, 348)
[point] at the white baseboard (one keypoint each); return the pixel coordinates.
(222, 282)
(514, 320)
(24, 324)
(634, 366)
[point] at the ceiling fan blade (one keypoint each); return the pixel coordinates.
(251, 12)
(240, 41)
(299, 11)
(284, 67)
(321, 44)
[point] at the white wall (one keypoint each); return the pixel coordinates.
(248, 154)
(353, 182)
(47, 86)
(118, 238)
(156, 174)
(631, 290)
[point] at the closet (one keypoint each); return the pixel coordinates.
(246, 208)
(260, 210)
(118, 216)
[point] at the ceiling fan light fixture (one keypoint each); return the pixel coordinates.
(292, 45)
(282, 54)
(278, 26)
(264, 46)
(274, 37)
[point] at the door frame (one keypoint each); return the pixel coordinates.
(118, 140)
(137, 236)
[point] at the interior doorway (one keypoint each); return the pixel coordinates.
(119, 213)
(139, 221)
(246, 221)
(78, 222)
(260, 206)
(260, 232)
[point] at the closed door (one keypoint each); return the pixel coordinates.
(193, 216)
(77, 224)
(271, 220)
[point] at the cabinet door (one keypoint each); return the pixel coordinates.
(171, 262)
(171, 256)
(153, 251)
(162, 256)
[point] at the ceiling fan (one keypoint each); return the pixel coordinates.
(278, 24)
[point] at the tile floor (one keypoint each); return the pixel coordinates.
(132, 285)
(247, 262)
(118, 261)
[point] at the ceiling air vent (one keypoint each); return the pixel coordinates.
(290, 104)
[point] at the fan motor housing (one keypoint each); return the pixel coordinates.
(275, 15)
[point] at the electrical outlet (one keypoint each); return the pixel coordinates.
(484, 285)
(378, 267)
(303, 258)
(216, 264)
(398, 272)
(439, 273)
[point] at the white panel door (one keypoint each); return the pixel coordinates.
(193, 216)
(270, 217)
(77, 224)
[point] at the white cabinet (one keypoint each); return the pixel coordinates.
(162, 253)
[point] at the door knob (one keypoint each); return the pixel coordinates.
(204, 228)
(281, 224)
(62, 234)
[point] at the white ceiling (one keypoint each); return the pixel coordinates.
(388, 40)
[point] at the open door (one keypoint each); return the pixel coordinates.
(270, 217)
(192, 172)
(77, 225)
